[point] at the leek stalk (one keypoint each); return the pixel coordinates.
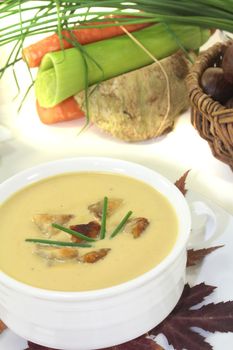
(63, 73)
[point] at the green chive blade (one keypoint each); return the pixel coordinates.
(57, 243)
(104, 217)
(74, 233)
(121, 224)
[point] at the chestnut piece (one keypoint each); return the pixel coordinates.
(229, 103)
(227, 64)
(215, 85)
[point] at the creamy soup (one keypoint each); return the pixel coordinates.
(74, 194)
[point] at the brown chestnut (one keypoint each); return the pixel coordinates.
(229, 103)
(227, 64)
(215, 85)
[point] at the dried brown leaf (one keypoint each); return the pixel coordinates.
(211, 317)
(2, 327)
(193, 295)
(195, 256)
(141, 343)
(181, 182)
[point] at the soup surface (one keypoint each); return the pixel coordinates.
(73, 193)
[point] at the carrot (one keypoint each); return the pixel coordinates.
(63, 111)
(34, 53)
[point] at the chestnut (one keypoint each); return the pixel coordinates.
(227, 64)
(229, 103)
(214, 84)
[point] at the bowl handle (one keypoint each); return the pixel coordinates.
(204, 225)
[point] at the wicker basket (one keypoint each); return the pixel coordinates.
(213, 121)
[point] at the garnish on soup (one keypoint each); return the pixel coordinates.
(57, 243)
(74, 233)
(121, 224)
(97, 208)
(95, 256)
(80, 234)
(91, 249)
(136, 226)
(91, 230)
(104, 218)
(44, 221)
(55, 253)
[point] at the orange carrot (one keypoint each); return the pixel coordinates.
(34, 53)
(64, 111)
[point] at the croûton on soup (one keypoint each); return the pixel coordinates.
(85, 231)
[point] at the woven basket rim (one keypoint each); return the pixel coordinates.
(203, 62)
(213, 120)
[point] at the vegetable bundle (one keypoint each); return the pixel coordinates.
(65, 73)
(179, 24)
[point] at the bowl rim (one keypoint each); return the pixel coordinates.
(136, 282)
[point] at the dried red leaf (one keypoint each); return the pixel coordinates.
(141, 343)
(185, 340)
(211, 317)
(195, 256)
(2, 327)
(193, 295)
(181, 182)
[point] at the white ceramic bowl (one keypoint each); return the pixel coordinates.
(105, 317)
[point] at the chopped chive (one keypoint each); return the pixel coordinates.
(74, 233)
(58, 243)
(104, 217)
(121, 224)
